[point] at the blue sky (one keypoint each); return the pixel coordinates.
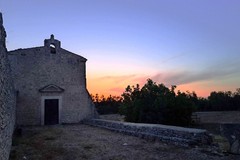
(194, 44)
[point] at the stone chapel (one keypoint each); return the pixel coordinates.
(50, 84)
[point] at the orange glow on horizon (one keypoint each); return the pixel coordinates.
(108, 87)
(115, 87)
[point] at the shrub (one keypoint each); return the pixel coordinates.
(155, 103)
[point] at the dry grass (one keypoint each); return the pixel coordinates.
(77, 142)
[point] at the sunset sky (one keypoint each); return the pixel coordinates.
(194, 44)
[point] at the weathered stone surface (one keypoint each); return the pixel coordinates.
(50, 72)
(172, 134)
(235, 148)
(229, 132)
(232, 132)
(222, 143)
(7, 98)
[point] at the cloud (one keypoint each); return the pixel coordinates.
(117, 79)
(173, 57)
(141, 80)
(218, 72)
(214, 73)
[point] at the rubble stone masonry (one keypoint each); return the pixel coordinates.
(170, 134)
(7, 98)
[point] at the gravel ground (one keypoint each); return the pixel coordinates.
(77, 142)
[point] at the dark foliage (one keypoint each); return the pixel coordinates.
(155, 103)
(109, 105)
(220, 101)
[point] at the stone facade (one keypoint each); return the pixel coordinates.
(50, 73)
(7, 98)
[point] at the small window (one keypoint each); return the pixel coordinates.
(52, 48)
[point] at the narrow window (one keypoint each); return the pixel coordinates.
(52, 48)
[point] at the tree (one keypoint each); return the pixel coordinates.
(109, 105)
(220, 101)
(155, 103)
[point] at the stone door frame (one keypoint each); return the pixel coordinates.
(43, 107)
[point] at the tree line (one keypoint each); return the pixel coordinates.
(156, 103)
(220, 101)
(107, 105)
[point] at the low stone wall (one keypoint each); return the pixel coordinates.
(232, 133)
(170, 134)
(218, 116)
(228, 131)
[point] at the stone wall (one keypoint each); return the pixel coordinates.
(170, 134)
(226, 135)
(218, 116)
(232, 132)
(7, 99)
(35, 68)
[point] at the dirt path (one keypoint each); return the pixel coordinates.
(77, 142)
